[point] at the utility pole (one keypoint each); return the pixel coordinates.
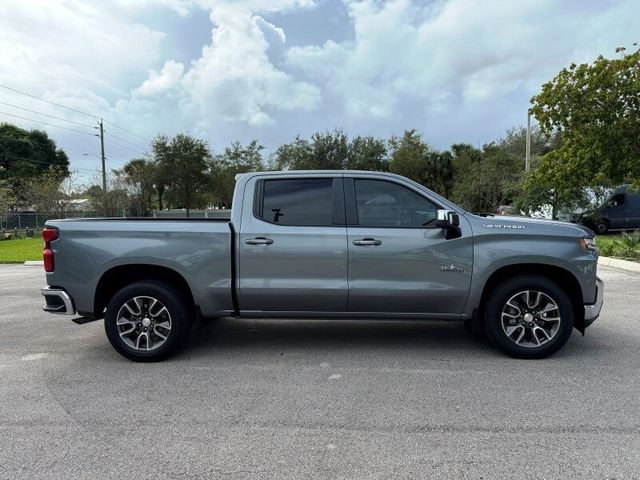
(527, 153)
(104, 171)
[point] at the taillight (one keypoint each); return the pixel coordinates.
(49, 234)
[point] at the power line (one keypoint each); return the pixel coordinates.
(95, 117)
(128, 131)
(49, 124)
(127, 141)
(46, 114)
(124, 146)
(41, 162)
(47, 101)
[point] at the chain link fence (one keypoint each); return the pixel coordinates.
(21, 221)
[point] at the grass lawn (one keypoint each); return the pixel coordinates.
(20, 250)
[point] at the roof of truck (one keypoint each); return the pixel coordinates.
(312, 172)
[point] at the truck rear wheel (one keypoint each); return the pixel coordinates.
(147, 321)
(528, 316)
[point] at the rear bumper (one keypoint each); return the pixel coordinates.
(591, 312)
(58, 301)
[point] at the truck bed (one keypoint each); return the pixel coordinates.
(197, 249)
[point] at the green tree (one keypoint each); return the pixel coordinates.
(412, 158)
(408, 155)
(542, 186)
(50, 192)
(7, 200)
(332, 150)
(596, 108)
(233, 160)
(485, 179)
(25, 154)
(139, 174)
(296, 155)
(464, 157)
(325, 151)
(367, 153)
(439, 175)
(329, 150)
(514, 142)
(116, 202)
(186, 160)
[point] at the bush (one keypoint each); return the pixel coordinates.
(629, 244)
(607, 249)
(626, 245)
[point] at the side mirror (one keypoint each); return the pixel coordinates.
(447, 218)
(450, 222)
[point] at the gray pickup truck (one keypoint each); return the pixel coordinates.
(325, 244)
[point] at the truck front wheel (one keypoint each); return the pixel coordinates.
(602, 227)
(528, 316)
(147, 321)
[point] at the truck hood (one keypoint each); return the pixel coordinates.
(532, 225)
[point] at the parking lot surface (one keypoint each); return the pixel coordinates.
(316, 399)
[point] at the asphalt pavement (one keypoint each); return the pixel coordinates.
(254, 399)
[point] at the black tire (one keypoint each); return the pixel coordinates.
(602, 227)
(503, 293)
(177, 313)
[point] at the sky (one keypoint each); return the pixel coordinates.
(226, 70)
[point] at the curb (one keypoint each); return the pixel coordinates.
(33, 263)
(619, 263)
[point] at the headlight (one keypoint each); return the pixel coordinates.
(588, 244)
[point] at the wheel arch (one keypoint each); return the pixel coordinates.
(564, 278)
(120, 276)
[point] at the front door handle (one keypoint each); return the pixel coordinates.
(366, 242)
(258, 241)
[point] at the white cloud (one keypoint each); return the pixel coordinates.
(235, 80)
(95, 58)
(460, 50)
(181, 7)
(258, 6)
(46, 46)
(168, 78)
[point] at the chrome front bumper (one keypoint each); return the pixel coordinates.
(591, 312)
(58, 301)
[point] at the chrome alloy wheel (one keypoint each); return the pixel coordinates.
(530, 318)
(144, 323)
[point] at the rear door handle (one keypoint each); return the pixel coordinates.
(258, 241)
(366, 242)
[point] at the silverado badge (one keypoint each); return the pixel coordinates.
(451, 268)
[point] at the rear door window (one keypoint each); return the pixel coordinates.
(297, 202)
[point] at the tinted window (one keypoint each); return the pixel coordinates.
(617, 200)
(387, 204)
(304, 201)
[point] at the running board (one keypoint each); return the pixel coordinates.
(83, 320)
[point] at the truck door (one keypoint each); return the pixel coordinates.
(293, 245)
(633, 200)
(399, 260)
(616, 211)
